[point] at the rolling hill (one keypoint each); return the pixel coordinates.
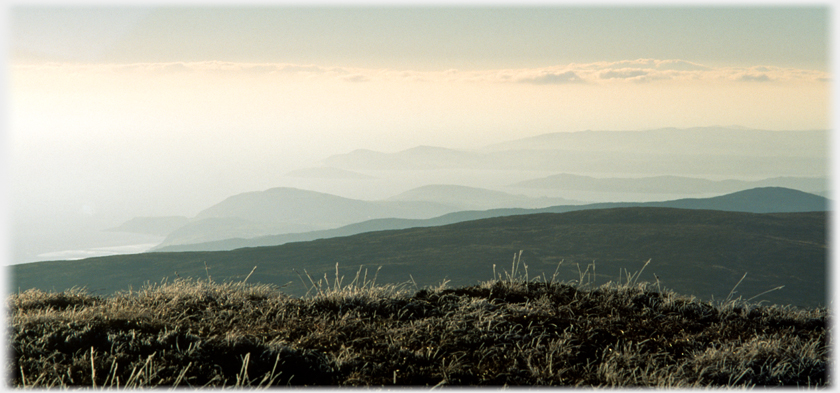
(473, 198)
(669, 184)
(759, 200)
(694, 151)
(696, 252)
(288, 210)
(285, 204)
(717, 141)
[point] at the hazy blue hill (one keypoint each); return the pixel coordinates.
(813, 185)
(668, 184)
(284, 210)
(473, 198)
(756, 200)
(379, 224)
(642, 163)
(654, 184)
(625, 161)
(327, 173)
(160, 226)
(285, 204)
(694, 151)
(699, 252)
(222, 228)
(760, 200)
(697, 140)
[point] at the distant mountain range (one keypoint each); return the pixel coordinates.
(694, 252)
(283, 214)
(670, 184)
(473, 198)
(713, 141)
(694, 151)
(427, 182)
(760, 200)
(289, 210)
(794, 159)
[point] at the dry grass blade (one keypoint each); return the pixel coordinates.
(732, 292)
(509, 331)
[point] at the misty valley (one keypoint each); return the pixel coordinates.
(560, 169)
(687, 230)
(368, 193)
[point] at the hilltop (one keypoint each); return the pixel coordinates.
(289, 210)
(702, 252)
(509, 331)
(757, 200)
(668, 184)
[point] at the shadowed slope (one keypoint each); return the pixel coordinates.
(758, 200)
(702, 252)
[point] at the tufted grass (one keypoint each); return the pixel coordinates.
(512, 330)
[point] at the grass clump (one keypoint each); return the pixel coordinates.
(507, 331)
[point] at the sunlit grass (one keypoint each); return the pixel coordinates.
(511, 330)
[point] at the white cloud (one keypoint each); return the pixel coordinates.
(755, 78)
(680, 65)
(552, 78)
(622, 74)
(639, 70)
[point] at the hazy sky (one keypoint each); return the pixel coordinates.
(136, 104)
(424, 38)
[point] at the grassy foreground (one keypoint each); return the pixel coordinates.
(509, 331)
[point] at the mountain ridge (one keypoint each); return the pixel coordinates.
(262, 213)
(759, 200)
(705, 140)
(474, 198)
(691, 151)
(702, 252)
(668, 184)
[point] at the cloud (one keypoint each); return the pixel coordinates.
(666, 71)
(624, 71)
(550, 78)
(680, 65)
(755, 78)
(623, 74)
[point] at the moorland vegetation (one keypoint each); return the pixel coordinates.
(513, 330)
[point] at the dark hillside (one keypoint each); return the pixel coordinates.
(758, 200)
(701, 253)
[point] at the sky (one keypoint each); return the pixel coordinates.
(125, 110)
